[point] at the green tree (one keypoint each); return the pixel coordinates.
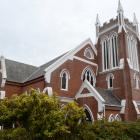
(38, 116)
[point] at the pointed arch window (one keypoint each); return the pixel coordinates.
(114, 51)
(137, 83)
(111, 118)
(88, 75)
(110, 52)
(132, 52)
(105, 54)
(109, 80)
(65, 76)
(118, 118)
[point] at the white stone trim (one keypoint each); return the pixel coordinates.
(123, 104)
(111, 118)
(90, 112)
(2, 94)
(97, 25)
(3, 71)
(88, 50)
(66, 99)
(113, 105)
(121, 63)
(93, 93)
(117, 117)
(49, 91)
(67, 56)
(132, 50)
(136, 81)
(65, 71)
(1, 127)
(136, 107)
(87, 62)
(100, 116)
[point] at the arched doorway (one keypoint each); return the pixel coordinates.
(88, 113)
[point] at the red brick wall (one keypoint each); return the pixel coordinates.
(12, 88)
(35, 85)
(75, 69)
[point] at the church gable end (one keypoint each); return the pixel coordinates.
(87, 53)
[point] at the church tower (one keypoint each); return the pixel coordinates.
(118, 49)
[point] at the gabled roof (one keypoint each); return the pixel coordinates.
(18, 72)
(108, 96)
(40, 71)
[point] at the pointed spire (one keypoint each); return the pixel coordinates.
(120, 8)
(97, 21)
(135, 21)
(97, 24)
(120, 17)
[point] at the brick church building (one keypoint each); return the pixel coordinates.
(102, 77)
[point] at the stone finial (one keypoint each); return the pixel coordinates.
(97, 24)
(135, 21)
(120, 8)
(120, 17)
(97, 21)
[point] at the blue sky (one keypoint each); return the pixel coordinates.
(36, 31)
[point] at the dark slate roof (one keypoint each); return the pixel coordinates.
(108, 96)
(41, 70)
(18, 72)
